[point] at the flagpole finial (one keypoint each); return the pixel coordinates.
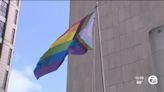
(97, 2)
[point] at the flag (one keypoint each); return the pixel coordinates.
(76, 40)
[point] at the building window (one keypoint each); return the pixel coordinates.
(7, 1)
(5, 80)
(17, 2)
(1, 35)
(9, 56)
(16, 14)
(12, 36)
(0, 49)
(1, 30)
(3, 8)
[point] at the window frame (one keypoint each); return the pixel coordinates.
(12, 36)
(17, 2)
(9, 56)
(5, 79)
(2, 25)
(16, 17)
(3, 8)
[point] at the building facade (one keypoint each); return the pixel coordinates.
(9, 11)
(132, 35)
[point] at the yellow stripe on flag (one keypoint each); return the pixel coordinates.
(67, 36)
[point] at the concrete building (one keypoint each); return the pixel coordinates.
(9, 11)
(132, 34)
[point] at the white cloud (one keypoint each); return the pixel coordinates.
(20, 81)
(28, 71)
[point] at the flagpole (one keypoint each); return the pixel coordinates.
(100, 42)
(93, 62)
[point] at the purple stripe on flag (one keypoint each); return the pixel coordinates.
(47, 69)
(76, 48)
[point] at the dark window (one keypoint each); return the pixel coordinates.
(12, 36)
(4, 4)
(3, 8)
(17, 2)
(9, 56)
(7, 1)
(5, 79)
(1, 29)
(16, 13)
(1, 34)
(0, 48)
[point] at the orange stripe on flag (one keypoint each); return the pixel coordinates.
(67, 36)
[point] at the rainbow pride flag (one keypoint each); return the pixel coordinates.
(76, 40)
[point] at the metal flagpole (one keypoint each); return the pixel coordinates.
(93, 67)
(100, 42)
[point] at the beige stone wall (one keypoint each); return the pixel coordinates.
(7, 45)
(125, 27)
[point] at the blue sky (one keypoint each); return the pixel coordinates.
(40, 24)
